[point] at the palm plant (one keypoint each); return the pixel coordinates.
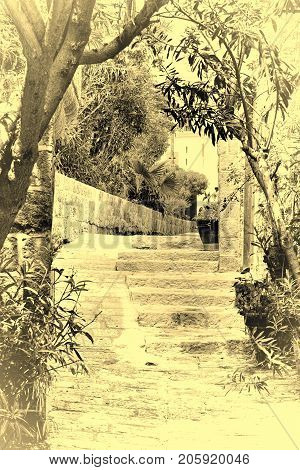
(154, 184)
(156, 177)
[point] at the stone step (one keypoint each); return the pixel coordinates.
(169, 255)
(98, 264)
(193, 340)
(163, 265)
(167, 316)
(196, 297)
(175, 279)
(185, 240)
(108, 271)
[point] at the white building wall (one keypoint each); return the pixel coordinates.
(192, 152)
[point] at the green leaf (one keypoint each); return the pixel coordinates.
(274, 24)
(89, 336)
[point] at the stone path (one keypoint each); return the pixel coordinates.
(165, 342)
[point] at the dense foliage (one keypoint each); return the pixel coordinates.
(39, 335)
(234, 63)
(120, 134)
(12, 64)
(189, 185)
(271, 313)
(120, 120)
(176, 189)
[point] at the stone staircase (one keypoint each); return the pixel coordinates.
(183, 303)
(165, 341)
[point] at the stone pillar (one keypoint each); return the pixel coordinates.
(231, 177)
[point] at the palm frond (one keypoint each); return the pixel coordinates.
(142, 172)
(169, 183)
(158, 169)
(140, 168)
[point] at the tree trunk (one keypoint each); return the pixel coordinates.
(53, 53)
(32, 231)
(280, 232)
(12, 197)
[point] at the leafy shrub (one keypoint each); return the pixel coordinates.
(273, 255)
(271, 312)
(176, 206)
(209, 209)
(120, 120)
(209, 212)
(253, 301)
(38, 336)
(240, 381)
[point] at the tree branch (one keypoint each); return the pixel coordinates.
(277, 86)
(28, 38)
(58, 18)
(130, 9)
(34, 17)
(132, 29)
(68, 57)
(243, 99)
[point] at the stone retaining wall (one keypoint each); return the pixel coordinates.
(80, 208)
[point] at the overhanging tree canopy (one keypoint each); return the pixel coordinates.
(234, 65)
(54, 47)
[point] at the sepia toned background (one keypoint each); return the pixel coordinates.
(127, 323)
